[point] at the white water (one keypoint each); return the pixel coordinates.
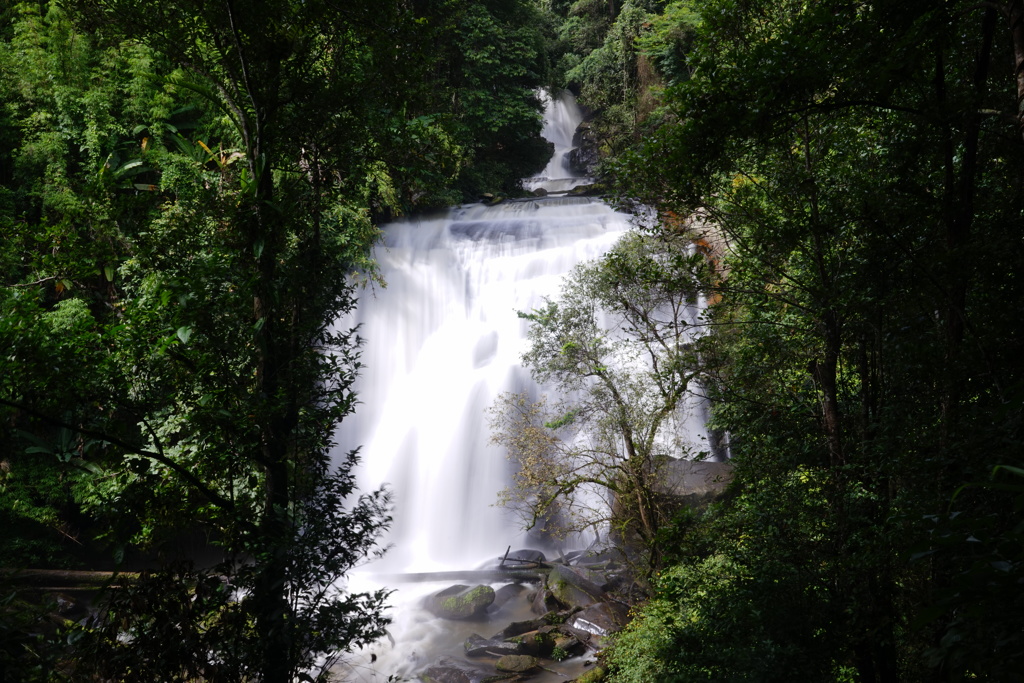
(561, 118)
(444, 341)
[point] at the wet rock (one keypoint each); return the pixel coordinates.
(580, 635)
(478, 646)
(460, 602)
(448, 670)
(595, 675)
(540, 192)
(559, 617)
(568, 646)
(573, 586)
(527, 555)
(506, 593)
(518, 628)
(601, 619)
(545, 601)
(524, 558)
(586, 155)
(517, 664)
(535, 643)
(605, 559)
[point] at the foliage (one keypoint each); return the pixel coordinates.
(493, 57)
(850, 168)
(199, 624)
(616, 346)
(185, 195)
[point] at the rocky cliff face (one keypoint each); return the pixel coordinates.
(586, 155)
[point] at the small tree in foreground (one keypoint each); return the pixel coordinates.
(617, 346)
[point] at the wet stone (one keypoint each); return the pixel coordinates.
(478, 646)
(460, 602)
(517, 663)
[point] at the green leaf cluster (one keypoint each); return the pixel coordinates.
(850, 168)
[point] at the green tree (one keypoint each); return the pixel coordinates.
(191, 190)
(616, 345)
(854, 164)
(484, 62)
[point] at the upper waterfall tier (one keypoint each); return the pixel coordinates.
(562, 117)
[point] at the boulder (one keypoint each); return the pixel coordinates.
(606, 559)
(460, 602)
(568, 646)
(506, 593)
(525, 555)
(538, 643)
(545, 601)
(478, 646)
(517, 664)
(518, 628)
(574, 586)
(586, 155)
(595, 675)
(448, 670)
(601, 619)
(578, 634)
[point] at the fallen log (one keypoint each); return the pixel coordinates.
(474, 575)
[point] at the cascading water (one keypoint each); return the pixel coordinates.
(442, 342)
(562, 116)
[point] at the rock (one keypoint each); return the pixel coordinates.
(535, 643)
(578, 634)
(545, 601)
(573, 586)
(526, 555)
(524, 558)
(518, 628)
(517, 663)
(569, 645)
(540, 192)
(606, 559)
(477, 646)
(448, 670)
(460, 602)
(595, 675)
(586, 155)
(601, 619)
(558, 618)
(506, 593)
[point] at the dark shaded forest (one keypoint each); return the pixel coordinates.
(188, 199)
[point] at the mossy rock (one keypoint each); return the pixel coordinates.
(573, 586)
(595, 675)
(517, 664)
(460, 602)
(536, 643)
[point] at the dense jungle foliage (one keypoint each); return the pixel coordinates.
(853, 170)
(188, 196)
(186, 193)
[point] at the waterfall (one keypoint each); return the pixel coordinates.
(442, 341)
(562, 116)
